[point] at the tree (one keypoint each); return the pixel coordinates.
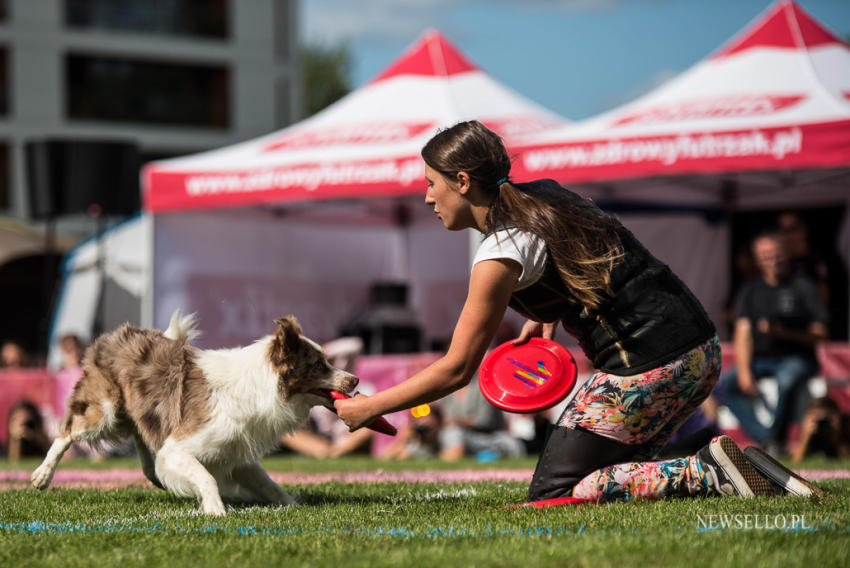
(325, 76)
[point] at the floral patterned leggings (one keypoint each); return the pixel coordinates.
(645, 409)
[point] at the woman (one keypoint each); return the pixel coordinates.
(555, 257)
(25, 426)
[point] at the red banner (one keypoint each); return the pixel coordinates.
(175, 190)
(811, 146)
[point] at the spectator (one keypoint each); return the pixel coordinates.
(824, 430)
(801, 257)
(13, 355)
(27, 436)
(420, 438)
(472, 425)
(779, 319)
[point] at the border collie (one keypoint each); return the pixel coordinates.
(207, 415)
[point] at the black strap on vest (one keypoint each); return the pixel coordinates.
(570, 455)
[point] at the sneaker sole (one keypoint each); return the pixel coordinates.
(781, 475)
(744, 477)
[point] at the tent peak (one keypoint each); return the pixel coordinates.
(784, 25)
(431, 55)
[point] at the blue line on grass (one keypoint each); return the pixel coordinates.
(42, 527)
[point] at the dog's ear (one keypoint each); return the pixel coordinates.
(286, 340)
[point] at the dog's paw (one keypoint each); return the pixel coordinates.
(42, 477)
(151, 476)
(213, 507)
(290, 500)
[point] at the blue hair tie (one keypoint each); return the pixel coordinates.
(501, 181)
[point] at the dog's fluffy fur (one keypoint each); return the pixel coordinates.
(207, 415)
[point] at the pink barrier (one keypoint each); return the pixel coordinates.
(36, 385)
(378, 372)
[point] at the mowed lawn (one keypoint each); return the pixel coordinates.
(416, 525)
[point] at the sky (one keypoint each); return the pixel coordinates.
(575, 57)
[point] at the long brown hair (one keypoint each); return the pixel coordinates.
(582, 240)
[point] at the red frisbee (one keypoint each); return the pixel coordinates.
(379, 424)
(529, 377)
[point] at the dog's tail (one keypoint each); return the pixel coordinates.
(182, 327)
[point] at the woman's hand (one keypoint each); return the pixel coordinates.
(533, 328)
(355, 411)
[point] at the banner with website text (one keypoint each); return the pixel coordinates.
(809, 146)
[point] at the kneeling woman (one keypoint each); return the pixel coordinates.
(555, 257)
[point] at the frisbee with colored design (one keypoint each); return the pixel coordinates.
(527, 378)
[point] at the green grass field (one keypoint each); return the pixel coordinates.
(416, 525)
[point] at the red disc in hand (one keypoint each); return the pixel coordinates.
(379, 424)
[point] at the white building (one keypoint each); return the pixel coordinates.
(173, 76)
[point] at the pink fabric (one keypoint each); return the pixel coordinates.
(380, 372)
(66, 379)
(36, 385)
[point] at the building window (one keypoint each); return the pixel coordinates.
(153, 92)
(282, 14)
(4, 81)
(283, 103)
(4, 10)
(198, 18)
(5, 177)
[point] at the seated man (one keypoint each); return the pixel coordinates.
(779, 319)
(474, 427)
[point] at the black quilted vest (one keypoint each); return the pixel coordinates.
(650, 319)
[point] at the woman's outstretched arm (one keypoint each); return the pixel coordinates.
(490, 288)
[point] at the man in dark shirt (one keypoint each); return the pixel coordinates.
(779, 320)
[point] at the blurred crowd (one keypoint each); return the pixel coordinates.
(778, 315)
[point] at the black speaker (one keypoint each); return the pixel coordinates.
(74, 176)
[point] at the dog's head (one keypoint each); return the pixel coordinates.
(302, 367)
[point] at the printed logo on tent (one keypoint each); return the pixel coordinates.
(532, 378)
(721, 107)
(364, 133)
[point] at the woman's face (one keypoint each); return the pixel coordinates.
(449, 203)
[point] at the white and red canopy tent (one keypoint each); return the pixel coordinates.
(365, 145)
(303, 220)
(763, 123)
(773, 100)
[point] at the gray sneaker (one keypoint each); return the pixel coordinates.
(781, 477)
(729, 472)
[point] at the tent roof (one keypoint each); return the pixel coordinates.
(365, 144)
(776, 97)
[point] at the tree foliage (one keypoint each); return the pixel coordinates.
(325, 76)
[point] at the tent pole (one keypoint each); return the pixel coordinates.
(146, 305)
